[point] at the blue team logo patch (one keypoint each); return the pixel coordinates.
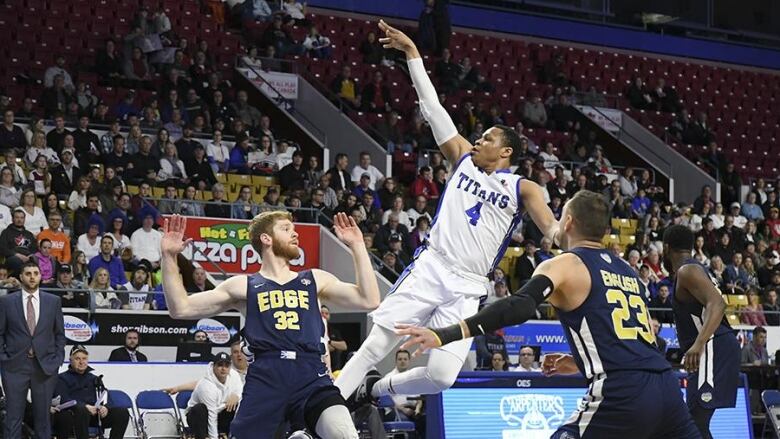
(306, 282)
(606, 258)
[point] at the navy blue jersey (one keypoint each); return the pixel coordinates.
(283, 317)
(688, 316)
(611, 331)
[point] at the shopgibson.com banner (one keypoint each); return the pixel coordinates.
(226, 242)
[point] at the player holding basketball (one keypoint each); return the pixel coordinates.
(632, 392)
(710, 345)
(283, 328)
(481, 206)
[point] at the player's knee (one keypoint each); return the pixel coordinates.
(442, 376)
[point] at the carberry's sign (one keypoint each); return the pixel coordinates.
(226, 242)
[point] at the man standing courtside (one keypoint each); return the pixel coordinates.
(32, 348)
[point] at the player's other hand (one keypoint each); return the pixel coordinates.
(173, 241)
(394, 38)
(558, 364)
(423, 337)
(347, 230)
(691, 358)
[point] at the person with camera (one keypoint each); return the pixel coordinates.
(92, 408)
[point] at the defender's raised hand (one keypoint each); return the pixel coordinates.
(173, 241)
(347, 230)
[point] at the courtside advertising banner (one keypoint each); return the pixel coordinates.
(157, 328)
(226, 242)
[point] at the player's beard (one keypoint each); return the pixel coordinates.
(285, 250)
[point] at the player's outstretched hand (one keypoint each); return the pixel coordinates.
(394, 38)
(418, 336)
(558, 364)
(692, 357)
(347, 230)
(173, 241)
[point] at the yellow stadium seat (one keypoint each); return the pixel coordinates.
(221, 177)
(239, 180)
(257, 198)
(132, 190)
(610, 239)
(733, 319)
(263, 180)
(627, 240)
(207, 195)
(158, 192)
(737, 299)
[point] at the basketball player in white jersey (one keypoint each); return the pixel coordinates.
(480, 207)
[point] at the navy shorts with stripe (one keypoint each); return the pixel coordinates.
(631, 404)
(279, 389)
(715, 384)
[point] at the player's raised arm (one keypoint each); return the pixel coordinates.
(550, 276)
(364, 295)
(540, 213)
(694, 280)
(452, 144)
(180, 305)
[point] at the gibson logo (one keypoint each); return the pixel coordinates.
(532, 411)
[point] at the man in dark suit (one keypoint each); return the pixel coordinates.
(32, 348)
(339, 176)
(129, 352)
(65, 175)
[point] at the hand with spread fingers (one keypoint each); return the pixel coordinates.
(347, 230)
(173, 241)
(558, 364)
(422, 336)
(395, 39)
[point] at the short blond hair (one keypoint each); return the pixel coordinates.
(264, 223)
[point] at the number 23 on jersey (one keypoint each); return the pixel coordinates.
(629, 312)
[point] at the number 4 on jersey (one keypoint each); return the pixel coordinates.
(474, 213)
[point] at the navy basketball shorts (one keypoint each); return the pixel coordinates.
(631, 404)
(715, 384)
(280, 389)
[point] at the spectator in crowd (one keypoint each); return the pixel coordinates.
(387, 193)
(55, 98)
(750, 208)
(318, 46)
(218, 207)
(108, 260)
(499, 291)
(340, 179)
(731, 185)
(755, 353)
(545, 250)
(534, 113)
(38, 148)
(69, 290)
(199, 279)
(640, 204)
(418, 210)
(398, 209)
(771, 307)
(11, 135)
(371, 49)
(420, 233)
(58, 69)
(146, 240)
(735, 273)
(386, 231)
(9, 193)
(102, 294)
(292, 177)
(665, 97)
(648, 279)
(20, 179)
(169, 204)
(527, 360)
(737, 220)
(365, 167)
(35, 219)
(447, 71)
(60, 242)
(390, 267)
(218, 153)
(659, 341)
(277, 36)
(172, 169)
(638, 95)
(662, 305)
(526, 264)
(17, 244)
(46, 262)
(486, 344)
(145, 166)
(243, 208)
(84, 214)
(313, 173)
(336, 344)
(345, 87)
(80, 267)
(627, 180)
(129, 352)
(701, 133)
(65, 174)
(499, 362)
(140, 299)
(397, 246)
(108, 63)
(239, 156)
(215, 399)
(424, 185)
(376, 95)
(189, 206)
(259, 10)
(118, 158)
(199, 169)
(92, 408)
(40, 178)
(753, 312)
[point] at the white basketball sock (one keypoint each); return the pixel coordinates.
(377, 345)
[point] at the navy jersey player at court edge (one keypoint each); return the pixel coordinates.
(600, 304)
(712, 352)
(288, 380)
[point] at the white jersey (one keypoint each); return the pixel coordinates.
(475, 218)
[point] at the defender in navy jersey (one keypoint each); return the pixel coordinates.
(712, 353)
(288, 380)
(632, 392)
